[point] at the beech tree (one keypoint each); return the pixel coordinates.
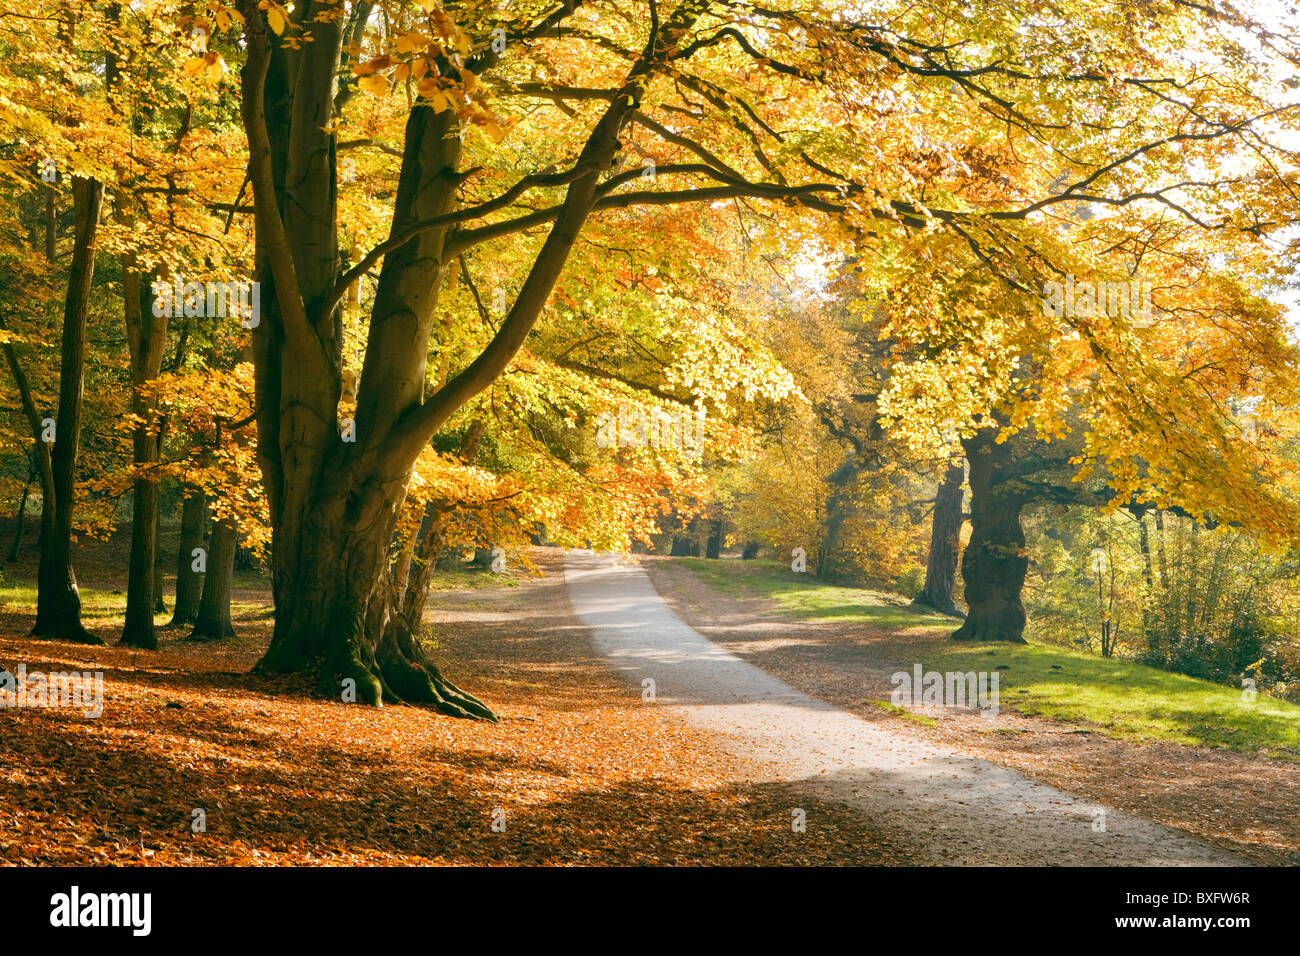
(333, 502)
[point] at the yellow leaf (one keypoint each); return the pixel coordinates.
(276, 19)
(194, 65)
(376, 84)
(401, 73)
(408, 42)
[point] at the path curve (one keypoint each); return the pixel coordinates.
(952, 808)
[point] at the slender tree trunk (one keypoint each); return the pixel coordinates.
(58, 602)
(146, 335)
(994, 565)
(189, 582)
(51, 223)
(402, 566)
(945, 543)
(1163, 563)
(159, 598)
(22, 516)
(831, 564)
(1144, 542)
(213, 622)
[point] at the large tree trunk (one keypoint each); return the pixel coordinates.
(945, 543)
(213, 620)
(334, 504)
(146, 335)
(58, 602)
(994, 565)
(189, 582)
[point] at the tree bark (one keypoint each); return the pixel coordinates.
(58, 602)
(831, 565)
(41, 449)
(945, 543)
(146, 334)
(22, 516)
(159, 598)
(189, 583)
(685, 547)
(713, 548)
(334, 504)
(995, 562)
(213, 621)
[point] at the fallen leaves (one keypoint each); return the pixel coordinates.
(584, 771)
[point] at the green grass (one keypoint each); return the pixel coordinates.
(471, 578)
(1111, 696)
(810, 599)
(95, 604)
(1126, 700)
(901, 712)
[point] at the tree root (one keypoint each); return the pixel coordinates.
(982, 633)
(75, 635)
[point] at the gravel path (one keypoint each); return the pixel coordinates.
(951, 807)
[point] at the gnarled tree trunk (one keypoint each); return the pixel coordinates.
(994, 565)
(334, 503)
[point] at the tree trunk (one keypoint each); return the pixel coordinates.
(189, 583)
(684, 547)
(334, 504)
(713, 547)
(22, 517)
(831, 565)
(994, 565)
(213, 620)
(945, 543)
(58, 602)
(159, 597)
(146, 335)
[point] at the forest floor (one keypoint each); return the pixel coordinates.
(1242, 802)
(580, 770)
